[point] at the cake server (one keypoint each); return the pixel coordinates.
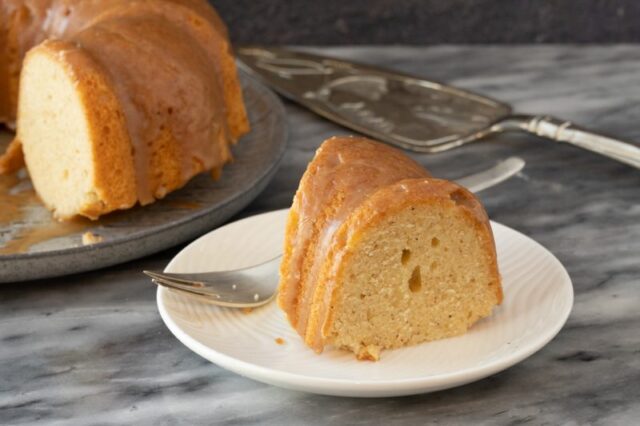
(408, 111)
(256, 285)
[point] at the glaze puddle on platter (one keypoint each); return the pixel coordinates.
(29, 225)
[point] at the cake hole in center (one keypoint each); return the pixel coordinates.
(415, 282)
(435, 242)
(406, 256)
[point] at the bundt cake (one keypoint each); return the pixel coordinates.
(116, 102)
(378, 254)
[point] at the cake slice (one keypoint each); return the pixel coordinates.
(73, 133)
(380, 255)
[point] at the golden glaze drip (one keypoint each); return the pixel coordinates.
(168, 93)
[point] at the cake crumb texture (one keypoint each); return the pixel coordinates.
(89, 238)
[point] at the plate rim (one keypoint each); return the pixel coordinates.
(369, 388)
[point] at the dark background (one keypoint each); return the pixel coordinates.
(334, 22)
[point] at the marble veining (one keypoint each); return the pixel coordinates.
(91, 348)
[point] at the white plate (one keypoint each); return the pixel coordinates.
(538, 300)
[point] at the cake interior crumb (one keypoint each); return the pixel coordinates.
(89, 238)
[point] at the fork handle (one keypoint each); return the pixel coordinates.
(565, 131)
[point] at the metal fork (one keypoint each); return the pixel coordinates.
(256, 285)
(241, 288)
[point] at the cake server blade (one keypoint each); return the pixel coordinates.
(408, 111)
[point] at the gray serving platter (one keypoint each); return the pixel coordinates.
(182, 216)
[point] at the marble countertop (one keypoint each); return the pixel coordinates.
(92, 349)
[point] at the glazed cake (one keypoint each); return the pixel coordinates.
(116, 102)
(378, 254)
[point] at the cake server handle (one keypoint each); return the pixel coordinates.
(565, 131)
